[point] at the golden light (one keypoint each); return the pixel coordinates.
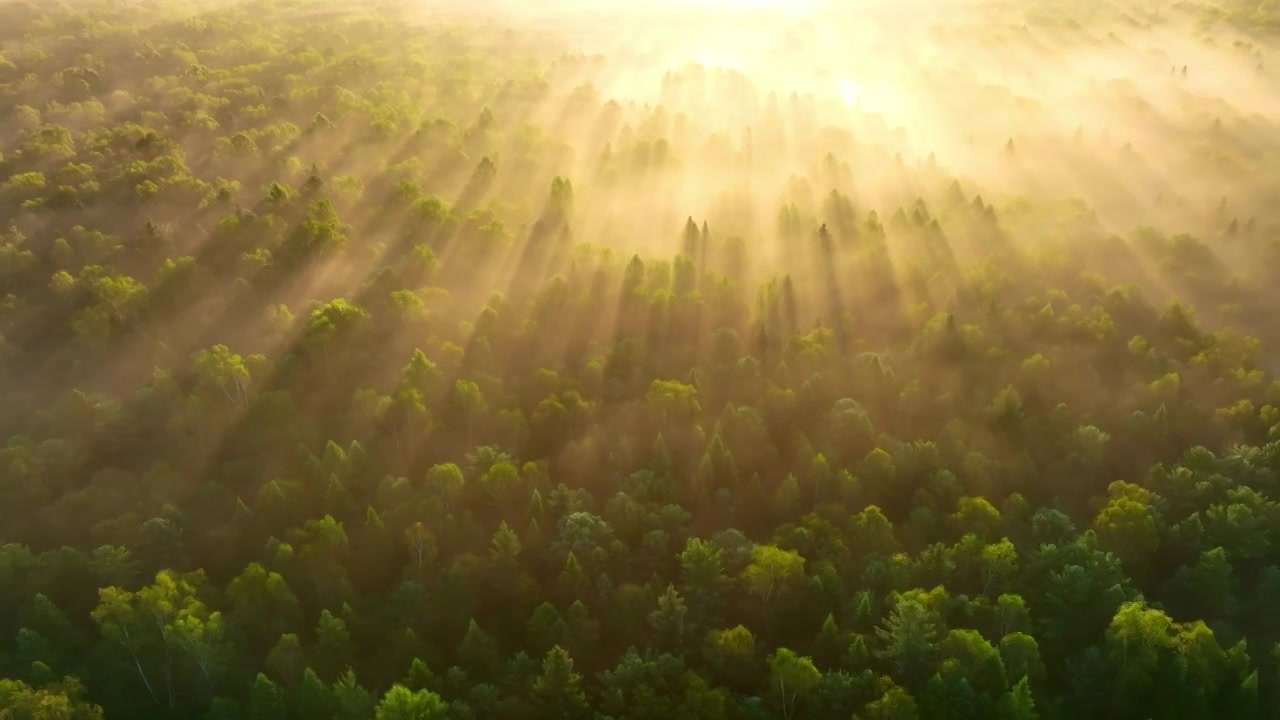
(850, 91)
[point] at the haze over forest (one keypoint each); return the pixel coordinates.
(686, 359)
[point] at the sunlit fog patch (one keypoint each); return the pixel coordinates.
(849, 90)
(718, 60)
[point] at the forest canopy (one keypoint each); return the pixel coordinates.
(382, 360)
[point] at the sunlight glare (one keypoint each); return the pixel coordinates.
(849, 91)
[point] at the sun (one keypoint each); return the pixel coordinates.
(739, 4)
(849, 91)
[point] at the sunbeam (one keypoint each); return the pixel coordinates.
(596, 360)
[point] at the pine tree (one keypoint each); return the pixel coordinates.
(1017, 704)
(557, 690)
(266, 700)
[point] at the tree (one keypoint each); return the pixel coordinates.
(656, 685)
(771, 572)
(478, 653)
(224, 372)
(1021, 656)
(582, 632)
(262, 604)
(873, 533)
(718, 470)
(731, 655)
(702, 581)
(422, 545)
(787, 499)
(161, 620)
(60, 700)
(793, 677)
(333, 643)
(668, 621)
(909, 640)
(1136, 640)
(400, 703)
(573, 581)
(1127, 528)
(978, 516)
(895, 704)
(998, 564)
(324, 552)
(1011, 615)
(546, 628)
(200, 634)
(446, 483)
(353, 702)
(831, 643)
(1017, 704)
(673, 400)
(320, 234)
(1207, 589)
(504, 552)
(950, 693)
(557, 690)
(976, 661)
(266, 700)
(335, 324)
(312, 698)
(287, 661)
(120, 621)
(470, 403)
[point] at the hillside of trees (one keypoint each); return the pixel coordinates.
(394, 361)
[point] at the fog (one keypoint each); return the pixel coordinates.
(957, 133)
(1124, 107)
(1073, 121)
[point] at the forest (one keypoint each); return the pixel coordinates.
(680, 360)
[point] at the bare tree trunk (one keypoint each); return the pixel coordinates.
(143, 675)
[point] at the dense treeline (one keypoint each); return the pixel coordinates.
(322, 403)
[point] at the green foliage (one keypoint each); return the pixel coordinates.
(358, 365)
(909, 640)
(57, 701)
(400, 703)
(266, 700)
(792, 677)
(772, 572)
(557, 690)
